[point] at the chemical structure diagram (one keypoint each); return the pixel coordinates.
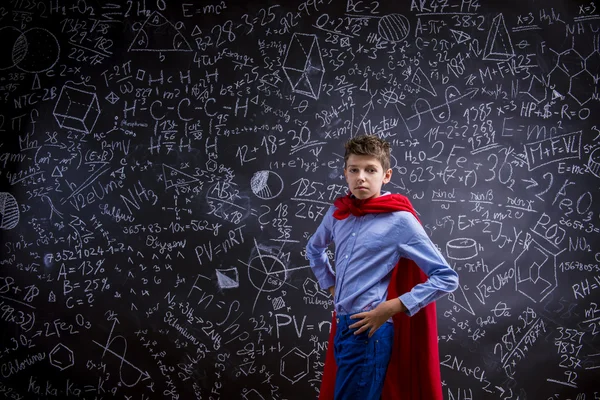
(576, 74)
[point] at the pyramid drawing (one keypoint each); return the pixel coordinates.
(159, 34)
(303, 65)
(498, 46)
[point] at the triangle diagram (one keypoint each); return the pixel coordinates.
(159, 34)
(460, 299)
(247, 369)
(174, 177)
(304, 44)
(460, 36)
(365, 86)
(196, 31)
(57, 173)
(227, 278)
(304, 85)
(556, 95)
(421, 80)
(498, 46)
(36, 83)
(293, 76)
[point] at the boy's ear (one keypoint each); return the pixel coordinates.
(388, 176)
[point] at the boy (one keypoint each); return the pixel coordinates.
(381, 252)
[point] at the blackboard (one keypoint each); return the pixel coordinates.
(163, 165)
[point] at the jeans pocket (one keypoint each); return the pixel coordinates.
(379, 368)
(362, 337)
(382, 350)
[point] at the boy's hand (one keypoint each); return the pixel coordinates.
(332, 290)
(373, 319)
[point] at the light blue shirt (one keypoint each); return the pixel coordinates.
(367, 250)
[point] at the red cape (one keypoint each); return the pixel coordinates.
(414, 369)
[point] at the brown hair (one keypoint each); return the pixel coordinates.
(369, 145)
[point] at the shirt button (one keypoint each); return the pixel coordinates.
(346, 256)
(353, 234)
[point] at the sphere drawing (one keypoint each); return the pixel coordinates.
(266, 184)
(36, 50)
(594, 162)
(393, 27)
(10, 53)
(9, 211)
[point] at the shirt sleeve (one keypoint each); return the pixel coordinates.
(417, 246)
(316, 251)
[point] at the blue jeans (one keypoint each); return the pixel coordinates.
(361, 360)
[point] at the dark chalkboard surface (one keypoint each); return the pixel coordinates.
(163, 164)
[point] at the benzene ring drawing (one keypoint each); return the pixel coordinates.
(303, 65)
(536, 272)
(294, 365)
(61, 357)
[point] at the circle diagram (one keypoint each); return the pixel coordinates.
(267, 273)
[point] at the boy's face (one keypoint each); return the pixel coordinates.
(365, 176)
